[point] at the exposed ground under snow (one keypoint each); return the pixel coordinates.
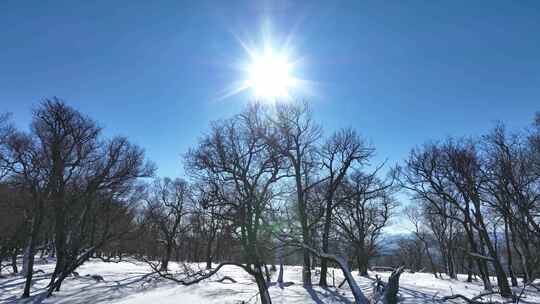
(131, 283)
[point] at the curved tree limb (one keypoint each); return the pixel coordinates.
(359, 297)
(473, 300)
(201, 275)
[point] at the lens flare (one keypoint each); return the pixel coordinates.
(268, 75)
(269, 71)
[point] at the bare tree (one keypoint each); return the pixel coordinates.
(29, 171)
(108, 182)
(68, 140)
(169, 201)
(366, 210)
(512, 191)
(341, 151)
(63, 164)
(207, 222)
(13, 205)
(6, 132)
(297, 140)
(452, 172)
(241, 170)
(422, 234)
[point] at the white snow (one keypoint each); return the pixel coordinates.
(130, 282)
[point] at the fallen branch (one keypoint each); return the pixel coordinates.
(108, 260)
(387, 292)
(359, 297)
(481, 257)
(226, 278)
(473, 300)
(196, 277)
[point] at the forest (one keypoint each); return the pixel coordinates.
(266, 189)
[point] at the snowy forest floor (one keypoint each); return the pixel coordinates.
(131, 282)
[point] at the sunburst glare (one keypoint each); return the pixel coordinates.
(268, 73)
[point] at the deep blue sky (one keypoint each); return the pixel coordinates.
(399, 72)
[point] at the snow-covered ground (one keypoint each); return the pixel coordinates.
(131, 283)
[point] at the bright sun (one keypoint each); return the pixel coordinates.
(268, 75)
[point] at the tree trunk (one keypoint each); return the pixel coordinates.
(444, 255)
(509, 254)
(34, 233)
(326, 235)
(306, 269)
(362, 260)
(209, 254)
(473, 246)
(52, 250)
(166, 257)
(28, 265)
(69, 267)
(527, 258)
(430, 258)
(14, 261)
(469, 270)
(392, 287)
(521, 257)
(483, 268)
(29, 271)
(280, 261)
(359, 297)
(267, 274)
(261, 284)
(451, 264)
(502, 279)
(60, 242)
(25, 257)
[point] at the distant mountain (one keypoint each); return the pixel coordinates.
(389, 242)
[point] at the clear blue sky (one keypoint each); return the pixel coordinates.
(399, 72)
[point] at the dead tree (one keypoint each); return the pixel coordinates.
(387, 293)
(359, 297)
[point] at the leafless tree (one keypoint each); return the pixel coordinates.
(28, 171)
(168, 204)
(6, 132)
(64, 166)
(241, 170)
(108, 184)
(343, 150)
(368, 205)
(298, 141)
(452, 172)
(512, 191)
(422, 233)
